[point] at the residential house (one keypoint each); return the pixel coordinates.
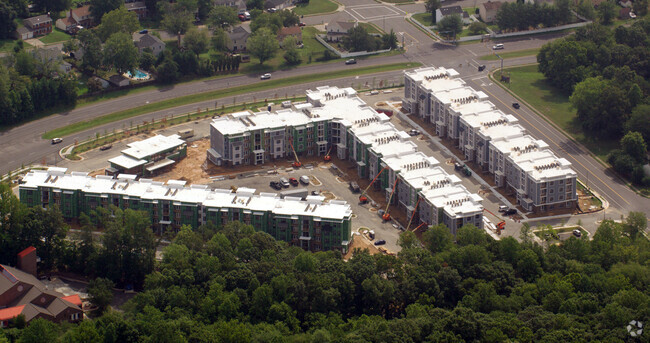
(82, 16)
(238, 38)
(21, 293)
(277, 4)
(147, 41)
(35, 26)
(338, 29)
(51, 57)
(294, 31)
(451, 10)
(236, 4)
(68, 25)
(625, 13)
(118, 80)
(488, 10)
(138, 7)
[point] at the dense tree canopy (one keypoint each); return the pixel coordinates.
(263, 44)
(236, 284)
(118, 20)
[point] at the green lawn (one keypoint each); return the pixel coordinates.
(424, 18)
(7, 45)
(268, 84)
(55, 37)
(371, 28)
(470, 10)
(315, 7)
(531, 86)
(511, 54)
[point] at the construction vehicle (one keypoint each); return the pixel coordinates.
(386, 215)
(363, 199)
(413, 214)
(327, 157)
(500, 225)
(296, 164)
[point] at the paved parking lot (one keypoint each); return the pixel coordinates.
(325, 181)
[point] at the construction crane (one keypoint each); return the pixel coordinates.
(386, 215)
(413, 214)
(296, 164)
(327, 157)
(419, 226)
(500, 225)
(363, 198)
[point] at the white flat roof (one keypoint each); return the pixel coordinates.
(454, 199)
(458, 95)
(175, 190)
(501, 131)
(488, 118)
(428, 74)
(242, 122)
(126, 162)
(407, 162)
(393, 148)
(543, 165)
(518, 144)
(374, 133)
(152, 146)
(472, 107)
(426, 178)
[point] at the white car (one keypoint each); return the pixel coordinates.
(57, 140)
(265, 76)
(497, 47)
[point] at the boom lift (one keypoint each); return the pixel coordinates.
(327, 157)
(500, 225)
(386, 215)
(296, 164)
(363, 198)
(413, 214)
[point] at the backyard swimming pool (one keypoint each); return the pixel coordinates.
(139, 75)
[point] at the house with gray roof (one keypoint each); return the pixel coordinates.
(451, 10)
(144, 41)
(338, 29)
(238, 38)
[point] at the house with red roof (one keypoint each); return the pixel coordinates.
(21, 293)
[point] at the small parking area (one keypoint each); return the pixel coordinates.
(370, 12)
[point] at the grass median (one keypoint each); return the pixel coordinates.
(213, 95)
(512, 54)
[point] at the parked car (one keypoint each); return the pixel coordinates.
(481, 67)
(351, 61)
(515, 105)
(275, 185)
(241, 17)
(503, 208)
(304, 179)
(354, 187)
(57, 140)
(265, 76)
(293, 181)
(284, 182)
(458, 166)
(302, 24)
(414, 132)
(315, 193)
(577, 233)
(145, 31)
(497, 47)
(271, 10)
(380, 242)
(510, 212)
(388, 113)
(105, 147)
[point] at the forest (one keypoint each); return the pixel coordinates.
(236, 284)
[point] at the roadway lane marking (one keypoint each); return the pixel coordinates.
(562, 149)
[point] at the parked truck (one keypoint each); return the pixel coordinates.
(185, 134)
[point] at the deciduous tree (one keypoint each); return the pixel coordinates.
(263, 44)
(117, 20)
(100, 7)
(222, 17)
(120, 52)
(196, 41)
